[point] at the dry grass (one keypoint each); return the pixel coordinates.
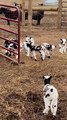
(21, 85)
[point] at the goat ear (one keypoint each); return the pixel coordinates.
(61, 40)
(50, 77)
(47, 77)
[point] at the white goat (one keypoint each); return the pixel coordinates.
(63, 45)
(50, 95)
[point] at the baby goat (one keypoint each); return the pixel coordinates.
(29, 47)
(46, 50)
(11, 46)
(63, 45)
(43, 49)
(50, 95)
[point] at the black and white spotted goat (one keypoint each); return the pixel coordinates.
(12, 45)
(43, 49)
(50, 95)
(46, 49)
(30, 47)
(63, 46)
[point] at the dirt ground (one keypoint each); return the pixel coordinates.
(21, 86)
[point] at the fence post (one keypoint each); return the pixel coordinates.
(23, 13)
(29, 15)
(59, 13)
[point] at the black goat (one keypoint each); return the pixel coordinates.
(36, 15)
(10, 14)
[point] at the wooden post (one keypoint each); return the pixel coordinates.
(23, 13)
(59, 13)
(29, 15)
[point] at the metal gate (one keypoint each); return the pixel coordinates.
(17, 34)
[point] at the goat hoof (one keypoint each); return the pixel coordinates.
(31, 57)
(22, 62)
(54, 117)
(42, 59)
(48, 56)
(46, 113)
(35, 59)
